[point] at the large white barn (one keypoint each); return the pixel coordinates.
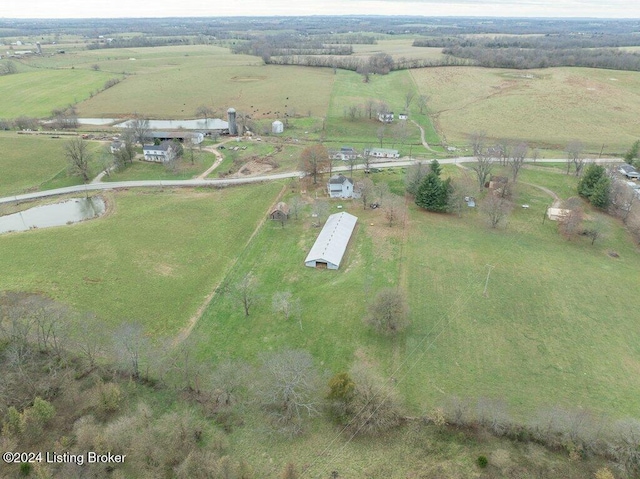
(329, 248)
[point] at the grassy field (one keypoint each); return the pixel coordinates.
(547, 107)
(398, 48)
(542, 336)
(349, 90)
(37, 92)
(144, 170)
(174, 82)
(31, 162)
(152, 259)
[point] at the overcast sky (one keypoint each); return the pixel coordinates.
(214, 8)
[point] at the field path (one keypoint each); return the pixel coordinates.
(220, 156)
(423, 139)
(556, 198)
(186, 331)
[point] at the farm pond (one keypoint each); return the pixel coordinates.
(57, 214)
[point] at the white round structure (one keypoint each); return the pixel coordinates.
(277, 127)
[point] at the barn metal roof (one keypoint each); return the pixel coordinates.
(333, 239)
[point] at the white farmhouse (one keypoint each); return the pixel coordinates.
(340, 186)
(157, 153)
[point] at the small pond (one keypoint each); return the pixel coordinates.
(65, 212)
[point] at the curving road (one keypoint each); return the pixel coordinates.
(224, 181)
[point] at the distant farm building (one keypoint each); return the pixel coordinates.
(331, 244)
(382, 153)
(386, 117)
(340, 186)
(280, 212)
(346, 153)
(277, 127)
(183, 136)
(157, 153)
(116, 146)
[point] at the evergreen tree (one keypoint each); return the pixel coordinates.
(632, 155)
(592, 175)
(600, 194)
(433, 194)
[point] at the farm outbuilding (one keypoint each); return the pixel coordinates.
(280, 212)
(277, 127)
(331, 244)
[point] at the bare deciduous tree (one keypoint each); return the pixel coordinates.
(408, 98)
(496, 209)
(575, 156)
(423, 102)
(77, 154)
(314, 161)
(246, 292)
(284, 303)
(393, 209)
(295, 206)
(381, 133)
(138, 128)
(289, 388)
(205, 112)
(518, 155)
(483, 167)
(374, 406)
(414, 176)
(388, 312)
(130, 345)
(229, 382)
(365, 189)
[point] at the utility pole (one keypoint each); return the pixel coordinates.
(486, 284)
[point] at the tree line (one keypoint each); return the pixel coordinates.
(517, 58)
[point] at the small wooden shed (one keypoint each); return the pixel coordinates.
(280, 212)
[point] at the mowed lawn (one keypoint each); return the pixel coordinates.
(36, 93)
(552, 330)
(151, 260)
(548, 107)
(174, 82)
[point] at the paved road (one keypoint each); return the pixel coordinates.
(223, 181)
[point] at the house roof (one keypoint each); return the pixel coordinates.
(339, 180)
(281, 206)
(333, 239)
(160, 147)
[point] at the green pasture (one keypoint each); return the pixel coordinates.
(37, 162)
(398, 48)
(551, 331)
(169, 83)
(37, 92)
(548, 107)
(349, 90)
(152, 259)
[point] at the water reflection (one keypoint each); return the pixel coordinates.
(65, 212)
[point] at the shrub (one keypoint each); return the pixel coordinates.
(483, 461)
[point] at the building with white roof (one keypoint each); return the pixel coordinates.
(331, 244)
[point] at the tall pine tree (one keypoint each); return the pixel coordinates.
(433, 193)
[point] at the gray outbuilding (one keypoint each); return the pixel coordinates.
(331, 244)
